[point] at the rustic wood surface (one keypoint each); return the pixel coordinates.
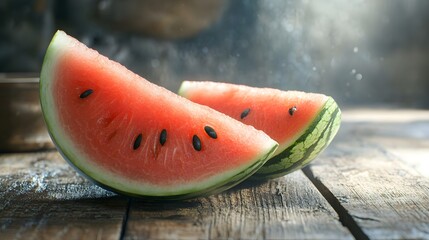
(378, 193)
(285, 208)
(43, 198)
(371, 183)
(404, 133)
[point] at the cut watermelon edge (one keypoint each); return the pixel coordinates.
(296, 156)
(78, 160)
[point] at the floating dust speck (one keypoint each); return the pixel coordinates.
(155, 63)
(333, 63)
(289, 27)
(306, 58)
(353, 72)
(221, 68)
(355, 49)
(359, 76)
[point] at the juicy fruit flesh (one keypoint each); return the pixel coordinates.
(98, 131)
(118, 122)
(265, 109)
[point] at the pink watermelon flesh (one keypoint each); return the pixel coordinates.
(137, 138)
(289, 117)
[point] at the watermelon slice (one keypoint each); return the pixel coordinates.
(133, 137)
(302, 123)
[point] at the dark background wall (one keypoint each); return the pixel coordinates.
(362, 52)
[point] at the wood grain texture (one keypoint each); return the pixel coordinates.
(375, 175)
(385, 196)
(41, 197)
(285, 208)
(404, 133)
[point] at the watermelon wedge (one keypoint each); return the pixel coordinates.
(302, 123)
(133, 137)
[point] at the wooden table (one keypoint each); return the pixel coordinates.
(372, 182)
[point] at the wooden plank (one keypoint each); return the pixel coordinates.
(404, 132)
(285, 208)
(41, 197)
(384, 196)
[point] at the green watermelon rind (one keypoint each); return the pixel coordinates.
(317, 136)
(115, 183)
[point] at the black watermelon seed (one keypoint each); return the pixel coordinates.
(138, 141)
(245, 113)
(292, 110)
(210, 131)
(196, 142)
(86, 93)
(163, 137)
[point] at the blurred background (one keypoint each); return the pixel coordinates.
(364, 53)
(359, 51)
